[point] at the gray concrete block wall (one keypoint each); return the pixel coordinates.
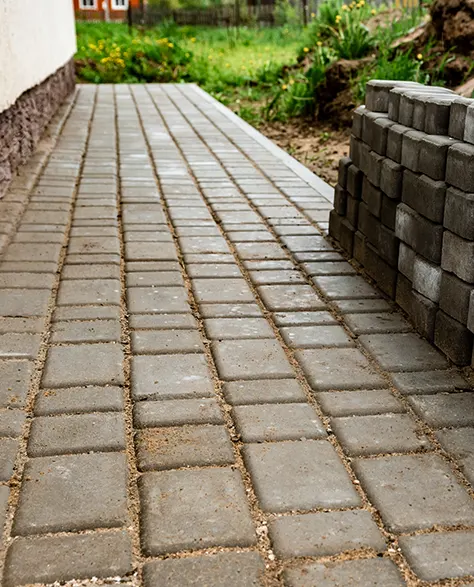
(404, 206)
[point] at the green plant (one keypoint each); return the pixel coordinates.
(350, 38)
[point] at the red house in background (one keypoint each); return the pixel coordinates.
(103, 9)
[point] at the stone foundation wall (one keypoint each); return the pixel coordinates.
(22, 125)
(404, 206)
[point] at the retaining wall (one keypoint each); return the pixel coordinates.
(404, 206)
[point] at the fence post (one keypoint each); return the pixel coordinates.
(129, 18)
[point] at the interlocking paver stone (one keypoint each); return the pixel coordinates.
(8, 450)
(24, 302)
(72, 492)
(171, 377)
(365, 435)
(251, 359)
(151, 300)
(359, 403)
(239, 569)
(325, 534)
(235, 328)
(222, 290)
(268, 422)
(15, 377)
(358, 573)
(301, 475)
(150, 342)
(88, 331)
(415, 492)
(48, 559)
(439, 556)
(177, 412)
(75, 292)
(79, 400)
(445, 409)
(264, 391)
(19, 345)
(290, 297)
(313, 337)
(194, 509)
(459, 442)
(83, 364)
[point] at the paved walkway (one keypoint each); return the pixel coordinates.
(197, 389)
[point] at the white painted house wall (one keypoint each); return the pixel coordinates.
(37, 37)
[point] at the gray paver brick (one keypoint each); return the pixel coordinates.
(230, 311)
(177, 412)
(162, 321)
(362, 306)
(366, 435)
(316, 336)
(183, 446)
(19, 324)
(403, 352)
(299, 475)
(340, 287)
(251, 359)
(325, 534)
(15, 378)
(359, 573)
(8, 450)
(94, 244)
(91, 272)
(192, 509)
(444, 410)
(154, 279)
(171, 377)
(283, 298)
(89, 331)
(11, 422)
(428, 382)
(55, 435)
(377, 323)
(79, 400)
(235, 328)
(303, 318)
(338, 369)
(83, 364)
(150, 300)
(270, 422)
(48, 559)
(33, 252)
(90, 291)
(73, 492)
(359, 403)
(19, 345)
(222, 290)
(150, 251)
(147, 342)
(415, 492)
(439, 556)
(459, 443)
(86, 313)
(239, 569)
(263, 391)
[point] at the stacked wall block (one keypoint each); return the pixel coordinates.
(404, 206)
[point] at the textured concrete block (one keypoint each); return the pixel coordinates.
(354, 181)
(378, 93)
(388, 213)
(455, 296)
(344, 164)
(424, 195)
(411, 144)
(391, 176)
(406, 261)
(347, 236)
(457, 117)
(388, 245)
(374, 168)
(375, 131)
(458, 256)
(340, 200)
(438, 109)
(470, 317)
(335, 225)
(352, 211)
(395, 141)
(459, 213)
(433, 156)
(419, 233)
(421, 310)
(357, 118)
(469, 124)
(372, 196)
(460, 166)
(368, 224)
(355, 150)
(454, 339)
(427, 278)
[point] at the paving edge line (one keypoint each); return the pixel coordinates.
(324, 189)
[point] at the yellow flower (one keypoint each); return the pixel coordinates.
(313, 15)
(227, 64)
(373, 12)
(338, 18)
(292, 81)
(170, 45)
(186, 54)
(306, 50)
(319, 44)
(210, 57)
(193, 39)
(345, 7)
(419, 57)
(284, 87)
(362, 2)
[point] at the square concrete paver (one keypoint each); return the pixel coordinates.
(309, 337)
(459, 443)
(299, 475)
(263, 391)
(171, 377)
(236, 569)
(73, 492)
(75, 292)
(183, 446)
(366, 435)
(161, 342)
(413, 492)
(195, 509)
(222, 291)
(269, 422)
(152, 300)
(403, 352)
(251, 359)
(177, 412)
(338, 369)
(359, 403)
(444, 410)
(358, 573)
(284, 298)
(325, 534)
(83, 364)
(235, 328)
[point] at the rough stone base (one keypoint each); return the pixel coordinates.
(22, 125)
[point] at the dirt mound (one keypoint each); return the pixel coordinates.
(453, 23)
